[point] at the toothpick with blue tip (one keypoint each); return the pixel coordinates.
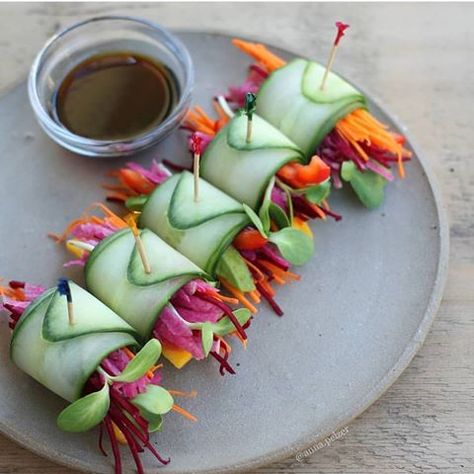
(65, 290)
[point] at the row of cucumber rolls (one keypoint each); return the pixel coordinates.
(205, 257)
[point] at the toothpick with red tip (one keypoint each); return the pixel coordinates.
(196, 142)
(65, 290)
(138, 243)
(341, 28)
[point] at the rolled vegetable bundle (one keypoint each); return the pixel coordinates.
(78, 348)
(332, 122)
(245, 255)
(173, 302)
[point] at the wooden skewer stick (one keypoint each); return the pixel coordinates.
(196, 142)
(341, 27)
(139, 244)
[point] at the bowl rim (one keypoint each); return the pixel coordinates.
(79, 141)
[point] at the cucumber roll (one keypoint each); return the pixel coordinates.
(74, 345)
(333, 123)
(175, 302)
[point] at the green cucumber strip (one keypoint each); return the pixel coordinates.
(90, 315)
(244, 175)
(107, 278)
(368, 186)
(335, 88)
(202, 244)
(264, 135)
(85, 413)
(232, 268)
(165, 262)
(184, 212)
(63, 366)
(283, 103)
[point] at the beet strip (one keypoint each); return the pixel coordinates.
(101, 439)
(224, 364)
(114, 444)
(270, 300)
(132, 409)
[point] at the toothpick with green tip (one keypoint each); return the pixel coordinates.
(250, 106)
(341, 27)
(65, 290)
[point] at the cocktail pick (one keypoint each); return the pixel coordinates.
(250, 106)
(65, 290)
(138, 243)
(196, 142)
(341, 28)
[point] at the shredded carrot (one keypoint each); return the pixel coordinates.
(183, 412)
(255, 296)
(219, 296)
(266, 286)
(318, 210)
(179, 393)
(279, 272)
(259, 275)
(361, 127)
(260, 53)
(239, 295)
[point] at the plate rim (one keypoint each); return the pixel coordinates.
(392, 375)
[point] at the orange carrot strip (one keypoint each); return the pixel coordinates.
(178, 393)
(255, 297)
(260, 53)
(183, 412)
(239, 295)
(267, 287)
(278, 271)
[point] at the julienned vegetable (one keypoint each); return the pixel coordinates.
(91, 363)
(204, 230)
(176, 302)
(333, 123)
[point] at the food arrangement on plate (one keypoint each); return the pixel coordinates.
(180, 269)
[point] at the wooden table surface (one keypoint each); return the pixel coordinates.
(419, 59)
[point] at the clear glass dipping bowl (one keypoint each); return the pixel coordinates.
(102, 35)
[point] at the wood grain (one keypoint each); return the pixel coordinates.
(418, 58)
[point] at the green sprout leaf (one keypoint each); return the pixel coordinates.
(368, 186)
(264, 212)
(141, 363)
(136, 203)
(207, 337)
(279, 216)
(294, 245)
(316, 194)
(155, 401)
(155, 422)
(225, 326)
(86, 412)
(255, 220)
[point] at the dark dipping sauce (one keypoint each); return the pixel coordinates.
(115, 96)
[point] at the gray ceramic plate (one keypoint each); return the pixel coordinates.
(360, 313)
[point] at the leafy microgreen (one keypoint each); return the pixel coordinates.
(316, 194)
(141, 363)
(86, 412)
(279, 216)
(156, 400)
(155, 422)
(207, 336)
(264, 212)
(368, 186)
(255, 220)
(225, 326)
(294, 245)
(136, 203)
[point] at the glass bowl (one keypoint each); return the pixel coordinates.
(103, 35)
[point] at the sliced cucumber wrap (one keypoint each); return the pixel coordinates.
(201, 230)
(244, 170)
(62, 356)
(114, 274)
(291, 100)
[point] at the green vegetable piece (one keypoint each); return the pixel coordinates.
(316, 194)
(156, 400)
(136, 203)
(86, 412)
(225, 326)
(264, 212)
(207, 338)
(155, 422)
(278, 215)
(255, 220)
(141, 363)
(294, 245)
(368, 186)
(232, 268)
